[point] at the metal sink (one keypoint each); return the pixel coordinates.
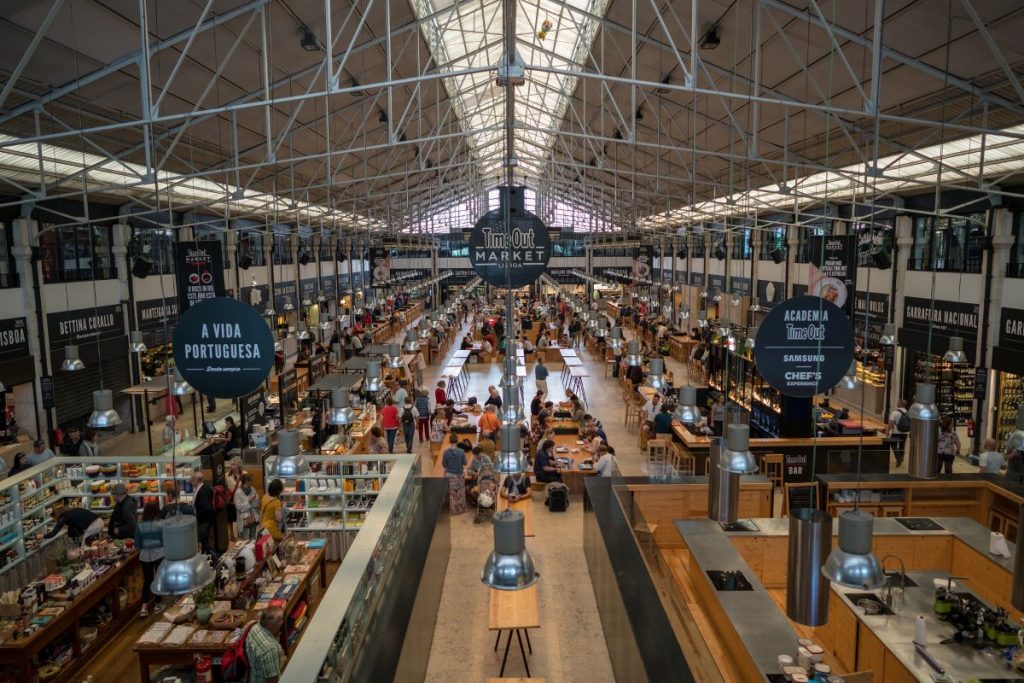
(920, 524)
(861, 599)
(729, 580)
(907, 581)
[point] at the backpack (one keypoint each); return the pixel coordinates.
(234, 664)
(903, 424)
(557, 498)
(407, 417)
(220, 498)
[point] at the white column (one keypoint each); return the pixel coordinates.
(29, 407)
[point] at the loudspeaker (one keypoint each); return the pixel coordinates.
(342, 256)
(778, 255)
(142, 267)
(719, 252)
(304, 258)
(683, 252)
(881, 259)
(245, 262)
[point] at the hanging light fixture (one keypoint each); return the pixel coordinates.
(373, 381)
(411, 343)
(704, 293)
(888, 337)
(180, 386)
(724, 329)
(341, 414)
(72, 363)
(852, 563)
(510, 458)
(288, 463)
(183, 570)
(807, 589)
(103, 414)
(394, 356)
(509, 566)
(656, 376)
(684, 312)
(511, 408)
(135, 342)
(717, 298)
(686, 410)
(702, 320)
(615, 341)
(633, 357)
(736, 456)
(602, 328)
(307, 302)
(955, 354)
(302, 333)
(850, 381)
(923, 439)
(755, 305)
(288, 305)
(326, 323)
(736, 298)
(751, 337)
(269, 311)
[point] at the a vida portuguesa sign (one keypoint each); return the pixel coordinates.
(223, 347)
(510, 252)
(804, 346)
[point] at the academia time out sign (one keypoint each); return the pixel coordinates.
(510, 252)
(804, 346)
(223, 347)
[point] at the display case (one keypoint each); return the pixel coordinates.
(1010, 395)
(27, 497)
(954, 386)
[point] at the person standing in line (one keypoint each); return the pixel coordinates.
(408, 423)
(540, 375)
(149, 539)
(389, 421)
(202, 497)
(123, 518)
(897, 436)
(247, 504)
(949, 445)
(454, 462)
(422, 415)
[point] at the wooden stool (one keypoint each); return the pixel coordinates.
(687, 464)
(644, 436)
(644, 532)
(891, 511)
(657, 453)
(771, 466)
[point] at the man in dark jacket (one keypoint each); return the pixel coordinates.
(72, 441)
(123, 518)
(80, 523)
(205, 512)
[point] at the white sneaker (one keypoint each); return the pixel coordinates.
(143, 613)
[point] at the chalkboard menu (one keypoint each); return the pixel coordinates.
(801, 496)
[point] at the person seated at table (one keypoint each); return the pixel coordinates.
(493, 397)
(604, 462)
(467, 343)
(564, 341)
(543, 341)
(480, 460)
(652, 408)
(547, 411)
(537, 403)
(579, 414)
(545, 467)
(539, 428)
(593, 441)
(663, 420)
(449, 410)
(516, 487)
(528, 346)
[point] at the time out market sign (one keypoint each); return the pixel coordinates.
(512, 254)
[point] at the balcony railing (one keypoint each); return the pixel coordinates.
(968, 265)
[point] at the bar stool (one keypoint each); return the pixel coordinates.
(771, 466)
(657, 454)
(685, 463)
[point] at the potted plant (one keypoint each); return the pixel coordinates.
(204, 602)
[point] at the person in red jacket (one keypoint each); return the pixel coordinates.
(440, 395)
(389, 421)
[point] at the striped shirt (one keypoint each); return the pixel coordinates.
(264, 654)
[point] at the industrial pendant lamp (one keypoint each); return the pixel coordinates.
(326, 323)
(751, 338)
(736, 456)
(923, 439)
(183, 570)
(288, 305)
(656, 376)
(510, 458)
(511, 408)
(615, 341)
(755, 305)
(394, 356)
(424, 329)
(135, 343)
(850, 381)
(852, 563)
(684, 312)
(633, 357)
(888, 337)
(724, 329)
(509, 566)
(341, 415)
(810, 543)
(373, 381)
(955, 354)
(288, 463)
(103, 414)
(302, 334)
(72, 363)
(269, 311)
(412, 345)
(687, 411)
(180, 386)
(702, 320)
(602, 328)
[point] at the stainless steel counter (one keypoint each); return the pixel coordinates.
(961, 662)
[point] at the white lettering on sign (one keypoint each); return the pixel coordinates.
(224, 351)
(11, 337)
(92, 323)
(961, 319)
(803, 358)
(516, 239)
(1015, 328)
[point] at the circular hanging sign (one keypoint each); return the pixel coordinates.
(510, 256)
(804, 346)
(223, 347)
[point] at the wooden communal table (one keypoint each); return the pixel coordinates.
(20, 654)
(524, 505)
(515, 612)
(573, 477)
(163, 654)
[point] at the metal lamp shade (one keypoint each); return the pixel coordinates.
(302, 333)
(852, 563)
(736, 456)
(956, 351)
(510, 452)
(810, 540)
(72, 363)
(394, 356)
(656, 377)
(633, 357)
(135, 343)
(723, 487)
(103, 414)
(615, 340)
(373, 381)
(511, 408)
(341, 414)
(725, 328)
(923, 439)
(684, 312)
(755, 304)
(751, 338)
(180, 386)
(269, 311)
(509, 566)
(288, 463)
(888, 337)
(184, 570)
(602, 328)
(702, 320)
(849, 380)
(411, 344)
(288, 305)
(687, 411)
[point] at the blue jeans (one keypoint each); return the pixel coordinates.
(390, 433)
(409, 430)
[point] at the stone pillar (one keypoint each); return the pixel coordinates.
(1002, 243)
(904, 243)
(32, 417)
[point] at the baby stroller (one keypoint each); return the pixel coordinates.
(486, 494)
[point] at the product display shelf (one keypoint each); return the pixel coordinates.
(27, 497)
(954, 386)
(1011, 395)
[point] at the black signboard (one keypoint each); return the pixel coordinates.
(252, 407)
(980, 383)
(150, 316)
(380, 265)
(13, 338)
(46, 389)
(460, 276)
(941, 319)
(257, 296)
(85, 325)
(870, 314)
(565, 276)
(223, 347)
(199, 272)
(697, 279)
(770, 292)
(510, 251)
(284, 293)
(799, 289)
(804, 346)
(832, 269)
(1008, 354)
(716, 284)
(328, 286)
(740, 285)
(643, 261)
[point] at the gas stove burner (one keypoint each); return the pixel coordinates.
(920, 524)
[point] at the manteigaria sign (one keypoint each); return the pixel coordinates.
(509, 246)
(223, 347)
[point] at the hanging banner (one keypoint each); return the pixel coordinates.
(199, 269)
(832, 269)
(870, 314)
(940, 319)
(740, 285)
(697, 279)
(380, 265)
(804, 346)
(150, 316)
(223, 347)
(510, 251)
(770, 292)
(256, 296)
(13, 338)
(85, 325)
(643, 260)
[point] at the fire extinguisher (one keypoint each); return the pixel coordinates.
(970, 428)
(204, 669)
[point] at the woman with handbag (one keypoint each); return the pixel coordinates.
(247, 501)
(272, 513)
